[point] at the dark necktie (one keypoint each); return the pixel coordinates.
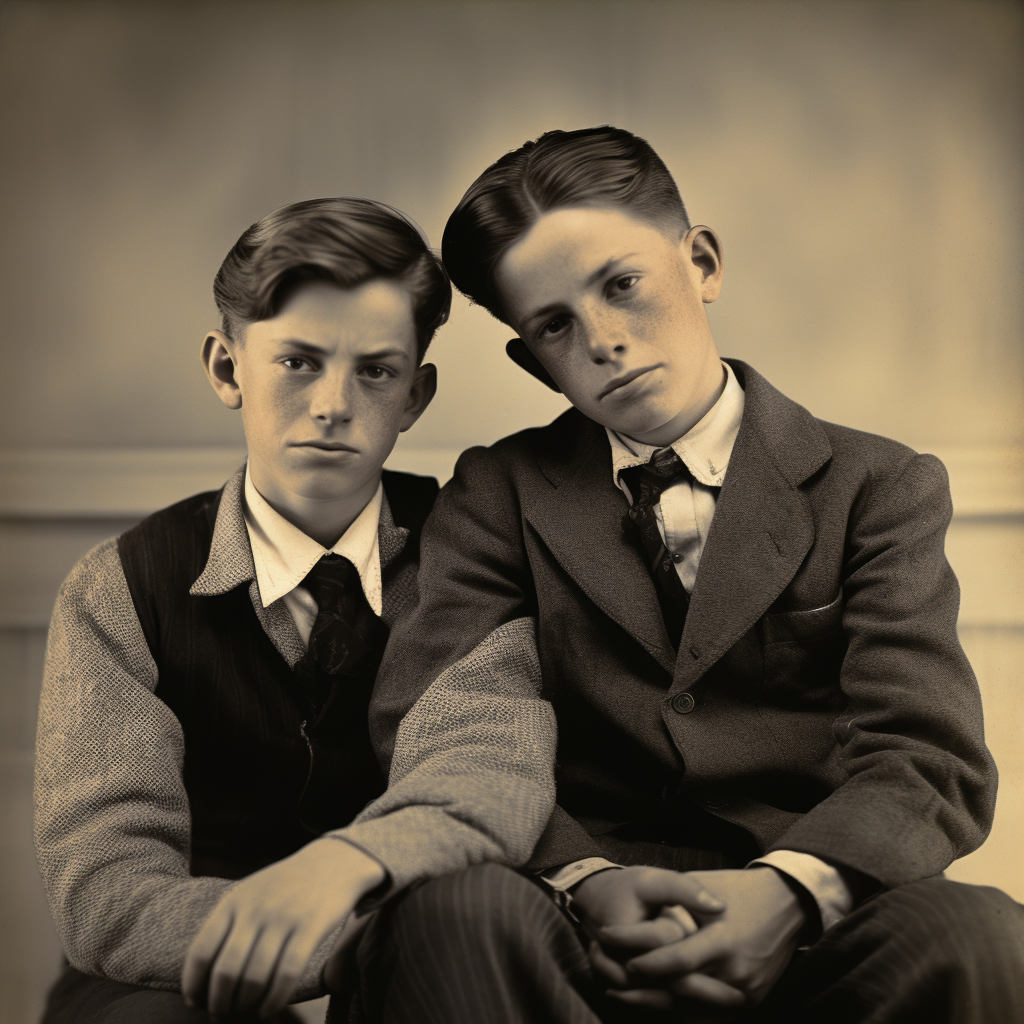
(346, 636)
(645, 485)
(336, 675)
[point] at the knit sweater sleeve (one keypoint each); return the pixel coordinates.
(458, 713)
(112, 823)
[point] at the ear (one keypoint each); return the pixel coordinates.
(424, 387)
(522, 356)
(703, 248)
(219, 354)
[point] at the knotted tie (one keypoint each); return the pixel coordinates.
(337, 674)
(345, 632)
(646, 484)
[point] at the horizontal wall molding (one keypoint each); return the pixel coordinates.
(126, 483)
(119, 483)
(56, 504)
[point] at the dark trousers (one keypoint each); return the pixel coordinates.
(79, 998)
(488, 945)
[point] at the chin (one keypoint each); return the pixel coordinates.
(645, 422)
(325, 485)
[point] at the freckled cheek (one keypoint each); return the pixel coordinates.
(285, 405)
(648, 322)
(574, 371)
(378, 416)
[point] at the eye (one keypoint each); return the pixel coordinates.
(553, 327)
(624, 283)
(375, 372)
(296, 363)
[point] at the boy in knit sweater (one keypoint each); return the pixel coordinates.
(208, 805)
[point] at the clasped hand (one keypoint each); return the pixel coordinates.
(744, 929)
(250, 955)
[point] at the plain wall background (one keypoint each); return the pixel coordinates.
(861, 162)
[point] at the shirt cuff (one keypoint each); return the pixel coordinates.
(824, 882)
(562, 879)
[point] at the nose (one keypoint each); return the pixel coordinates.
(330, 398)
(605, 337)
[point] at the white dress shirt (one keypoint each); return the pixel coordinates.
(283, 555)
(687, 507)
(684, 515)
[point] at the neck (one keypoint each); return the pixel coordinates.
(323, 519)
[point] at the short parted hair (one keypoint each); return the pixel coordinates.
(347, 241)
(600, 167)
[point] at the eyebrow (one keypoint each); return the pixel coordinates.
(591, 279)
(302, 346)
(379, 353)
(384, 353)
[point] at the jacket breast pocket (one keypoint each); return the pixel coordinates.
(803, 652)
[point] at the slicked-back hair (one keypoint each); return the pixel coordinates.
(596, 167)
(346, 241)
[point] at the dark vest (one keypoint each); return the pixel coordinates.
(263, 770)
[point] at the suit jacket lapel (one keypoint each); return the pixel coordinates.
(579, 519)
(762, 528)
(391, 539)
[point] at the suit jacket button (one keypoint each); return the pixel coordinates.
(683, 702)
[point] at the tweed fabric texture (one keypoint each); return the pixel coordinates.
(819, 700)
(472, 776)
(231, 564)
(112, 823)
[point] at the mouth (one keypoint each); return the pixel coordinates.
(626, 378)
(326, 446)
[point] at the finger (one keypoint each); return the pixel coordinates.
(205, 946)
(642, 935)
(611, 970)
(290, 968)
(648, 998)
(692, 954)
(229, 967)
(682, 917)
(708, 990)
(260, 968)
(677, 888)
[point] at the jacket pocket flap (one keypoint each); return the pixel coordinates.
(805, 624)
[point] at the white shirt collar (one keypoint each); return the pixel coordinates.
(705, 448)
(283, 554)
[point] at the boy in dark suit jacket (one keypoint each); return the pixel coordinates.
(203, 715)
(746, 625)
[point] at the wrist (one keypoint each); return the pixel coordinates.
(798, 913)
(593, 882)
(360, 870)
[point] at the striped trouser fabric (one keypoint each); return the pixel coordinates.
(488, 946)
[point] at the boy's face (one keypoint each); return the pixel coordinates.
(613, 309)
(325, 387)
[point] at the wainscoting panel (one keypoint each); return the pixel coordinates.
(56, 505)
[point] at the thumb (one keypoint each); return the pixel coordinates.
(662, 888)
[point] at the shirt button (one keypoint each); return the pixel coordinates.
(677, 558)
(683, 702)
